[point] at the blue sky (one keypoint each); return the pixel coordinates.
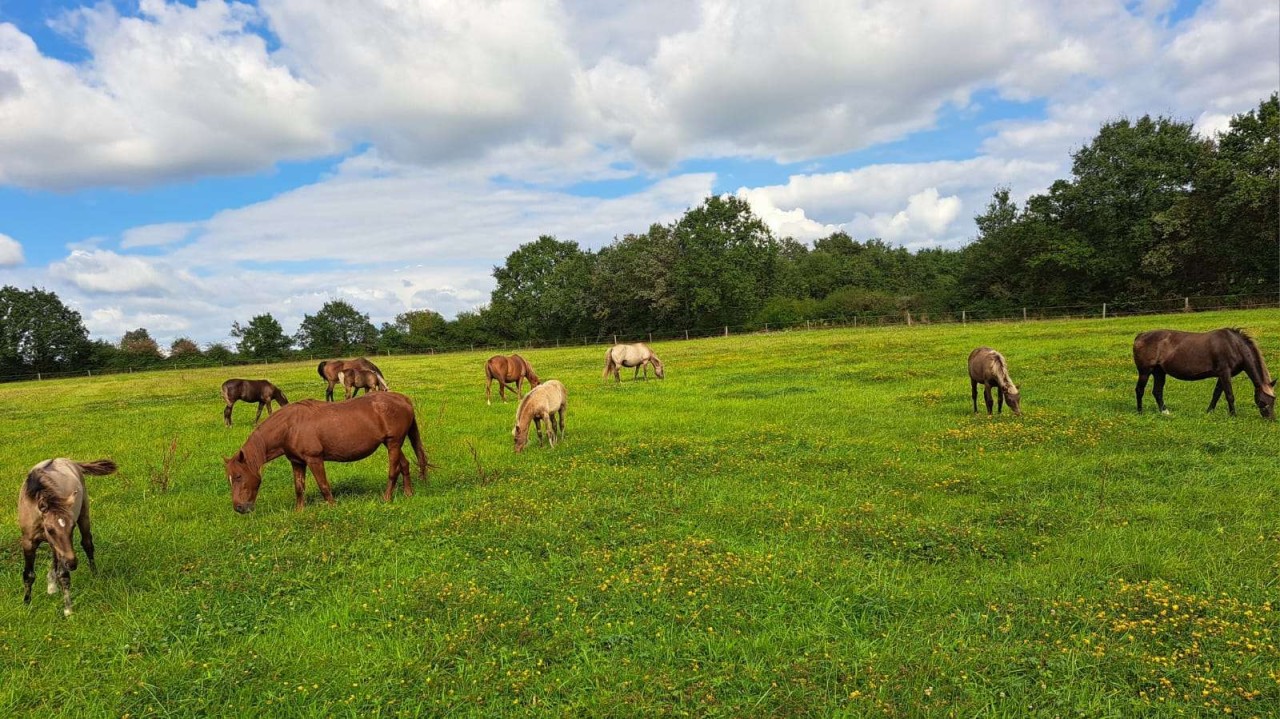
(182, 165)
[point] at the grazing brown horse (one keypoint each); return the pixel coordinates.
(1220, 354)
(546, 401)
(354, 380)
(988, 368)
(309, 433)
(637, 355)
(251, 390)
(52, 503)
(507, 369)
(329, 370)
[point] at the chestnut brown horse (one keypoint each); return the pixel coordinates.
(53, 502)
(507, 369)
(251, 390)
(1220, 354)
(329, 370)
(310, 432)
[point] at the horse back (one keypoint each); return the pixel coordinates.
(343, 431)
(1190, 355)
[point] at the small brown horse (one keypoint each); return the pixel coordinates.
(637, 355)
(309, 433)
(1220, 354)
(329, 370)
(251, 390)
(354, 380)
(507, 369)
(544, 402)
(988, 368)
(52, 503)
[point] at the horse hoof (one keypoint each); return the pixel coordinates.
(51, 589)
(1165, 411)
(66, 612)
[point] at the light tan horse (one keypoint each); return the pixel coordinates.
(546, 401)
(507, 369)
(51, 504)
(637, 355)
(988, 368)
(354, 379)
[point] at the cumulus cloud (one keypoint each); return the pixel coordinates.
(10, 251)
(107, 272)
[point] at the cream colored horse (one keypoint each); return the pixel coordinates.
(637, 355)
(546, 401)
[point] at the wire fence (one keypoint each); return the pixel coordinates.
(909, 318)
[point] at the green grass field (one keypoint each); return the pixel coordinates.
(799, 524)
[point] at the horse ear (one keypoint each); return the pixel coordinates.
(42, 504)
(1273, 382)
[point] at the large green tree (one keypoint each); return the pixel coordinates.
(725, 263)
(38, 333)
(543, 290)
(338, 328)
(262, 338)
(415, 331)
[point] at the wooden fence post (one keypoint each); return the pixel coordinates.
(726, 330)
(1024, 314)
(1104, 310)
(650, 336)
(964, 317)
(615, 339)
(686, 334)
(1186, 304)
(908, 318)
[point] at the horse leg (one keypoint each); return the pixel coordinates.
(1157, 389)
(328, 392)
(537, 424)
(1217, 392)
(1142, 386)
(28, 569)
(51, 579)
(64, 581)
(986, 395)
(488, 391)
(407, 483)
(502, 390)
(299, 485)
(86, 535)
(258, 417)
(1225, 381)
(561, 413)
(999, 400)
(636, 373)
(317, 471)
(226, 413)
(394, 457)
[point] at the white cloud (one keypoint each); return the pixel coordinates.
(10, 251)
(106, 271)
(166, 233)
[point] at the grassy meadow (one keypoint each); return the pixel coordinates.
(793, 524)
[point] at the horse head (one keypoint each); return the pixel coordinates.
(58, 525)
(245, 481)
(657, 367)
(1265, 397)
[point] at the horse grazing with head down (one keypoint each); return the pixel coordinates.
(354, 380)
(52, 503)
(544, 402)
(1220, 354)
(251, 390)
(988, 368)
(309, 433)
(329, 370)
(637, 355)
(508, 369)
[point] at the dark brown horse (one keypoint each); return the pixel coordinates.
(1220, 354)
(52, 504)
(309, 433)
(329, 370)
(251, 390)
(988, 368)
(507, 369)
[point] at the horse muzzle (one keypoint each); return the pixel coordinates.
(244, 508)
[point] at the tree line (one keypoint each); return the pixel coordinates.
(1152, 210)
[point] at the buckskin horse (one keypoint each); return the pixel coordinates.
(309, 433)
(329, 370)
(1220, 354)
(989, 369)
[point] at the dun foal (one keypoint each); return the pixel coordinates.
(988, 368)
(354, 380)
(52, 503)
(546, 401)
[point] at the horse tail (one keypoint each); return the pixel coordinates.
(609, 364)
(415, 438)
(226, 395)
(98, 468)
(320, 369)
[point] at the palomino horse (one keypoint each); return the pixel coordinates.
(329, 370)
(309, 433)
(637, 355)
(354, 380)
(251, 390)
(52, 503)
(546, 401)
(507, 369)
(988, 368)
(1220, 354)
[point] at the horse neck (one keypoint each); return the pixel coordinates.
(1254, 366)
(263, 445)
(1002, 374)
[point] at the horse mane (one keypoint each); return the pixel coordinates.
(1252, 344)
(1003, 370)
(37, 489)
